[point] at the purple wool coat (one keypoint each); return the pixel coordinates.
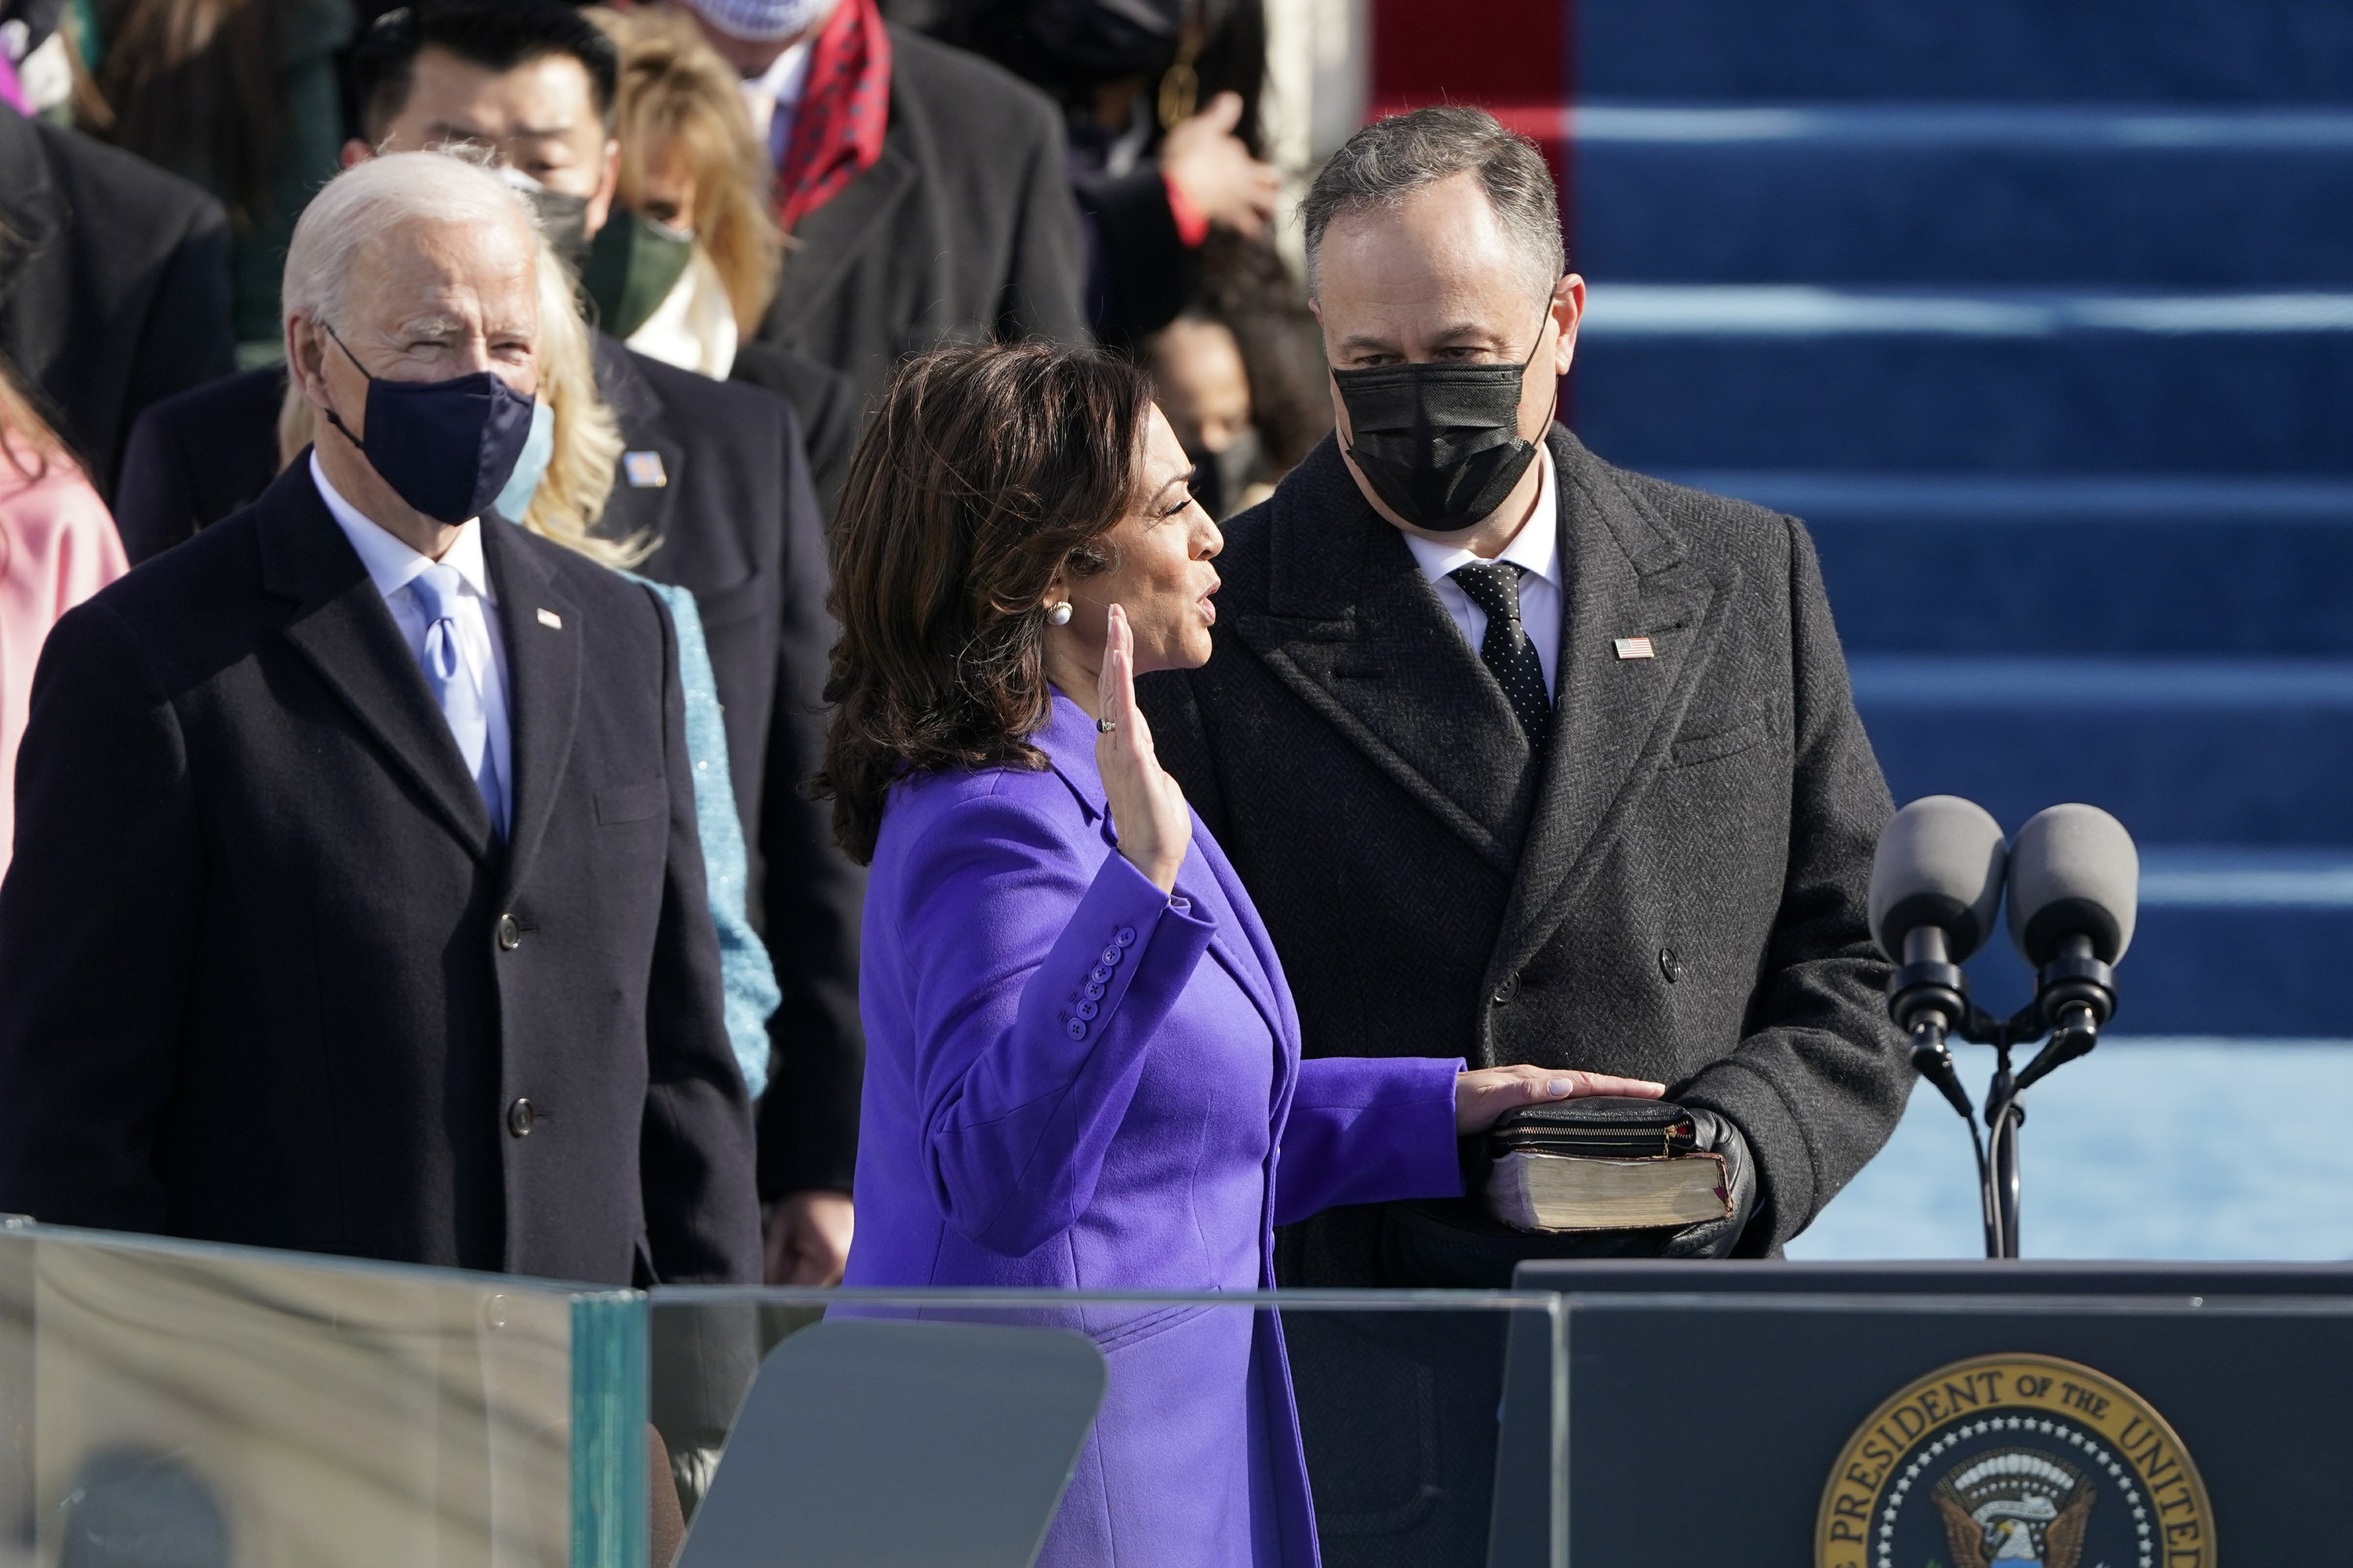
(1075, 1081)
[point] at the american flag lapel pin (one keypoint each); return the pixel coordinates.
(1633, 647)
(552, 621)
(644, 470)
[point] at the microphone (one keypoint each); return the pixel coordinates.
(1935, 886)
(2074, 893)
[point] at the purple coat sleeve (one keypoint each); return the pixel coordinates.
(1024, 1077)
(1368, 1129)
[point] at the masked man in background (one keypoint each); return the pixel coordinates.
(1529, 758)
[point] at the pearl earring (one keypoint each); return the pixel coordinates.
(1059, 613)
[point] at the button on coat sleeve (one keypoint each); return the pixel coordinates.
(1024, 1078)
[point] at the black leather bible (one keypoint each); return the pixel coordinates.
(1602, 1164)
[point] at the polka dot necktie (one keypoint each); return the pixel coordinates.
(1494, 587)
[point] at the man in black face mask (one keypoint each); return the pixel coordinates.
(716, 472)
(1531, 759)
(359, 905)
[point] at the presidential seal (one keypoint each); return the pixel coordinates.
(2014, 1462)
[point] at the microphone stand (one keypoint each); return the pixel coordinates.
(1929, 998)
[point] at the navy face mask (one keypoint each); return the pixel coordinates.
(1439, 444)
(447, 447)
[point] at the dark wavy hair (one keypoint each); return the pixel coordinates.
(988, 472)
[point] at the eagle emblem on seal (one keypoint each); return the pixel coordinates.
(2015, 1508)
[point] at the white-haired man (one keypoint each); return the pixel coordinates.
(359, 907)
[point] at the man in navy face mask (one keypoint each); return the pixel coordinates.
(1531, 759)
(717, 473)
(360, 906)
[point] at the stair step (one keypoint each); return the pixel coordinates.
(2280, 51)
(2008, 380)
(2256, 751)
(2230, 939)
(2074, 565)
(1959, 193)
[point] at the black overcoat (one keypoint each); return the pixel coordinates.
(965, 229)
(113, 285)
(1676, 893)
(740, 527)
(272, 979)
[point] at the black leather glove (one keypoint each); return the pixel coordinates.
(1717, 1238)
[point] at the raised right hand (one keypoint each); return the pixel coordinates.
(1146, 806)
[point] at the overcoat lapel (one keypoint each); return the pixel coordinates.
(1357, 632)
(827, 243)
(542, 684)
(634, 509)
(32, 215)
(342, 626)
(1628, 575)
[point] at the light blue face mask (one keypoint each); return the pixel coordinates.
(538, 450)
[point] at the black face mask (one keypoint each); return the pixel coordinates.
(1439, 444)
(447, 447)
(1220, 476)
(564, 219)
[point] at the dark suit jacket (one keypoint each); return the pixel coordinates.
(965, 229)
(271, 979)
(740, 528)
(113, 284)
(1676, 893)
(826, 402)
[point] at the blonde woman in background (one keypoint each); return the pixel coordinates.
(685, 268)
(58, 547)
(558, 492)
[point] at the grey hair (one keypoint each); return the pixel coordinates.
(358, 207)
(1391, 158)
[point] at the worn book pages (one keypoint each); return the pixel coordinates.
(1537, 1191)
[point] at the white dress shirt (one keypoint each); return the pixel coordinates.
(1536, 550)
(392, 566)
(774, 95)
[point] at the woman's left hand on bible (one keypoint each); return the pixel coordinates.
(1482, 1096)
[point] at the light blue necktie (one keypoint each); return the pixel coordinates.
(452, 683)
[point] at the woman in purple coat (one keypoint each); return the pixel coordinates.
(1083, 1070)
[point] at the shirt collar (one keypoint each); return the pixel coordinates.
(391, 565)
(1534, 549)
(781, 82)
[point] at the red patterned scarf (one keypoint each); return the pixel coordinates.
(838, 125)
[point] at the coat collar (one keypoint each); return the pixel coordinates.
(635, 508)
(1353, 628)
(29, 204)
(831, 243)
(341, 625)
(543, 675)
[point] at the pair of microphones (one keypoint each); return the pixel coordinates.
(2071, 877)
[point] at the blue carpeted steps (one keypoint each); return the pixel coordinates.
(2002, 381)
(2041, 312)
(1965, 194)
